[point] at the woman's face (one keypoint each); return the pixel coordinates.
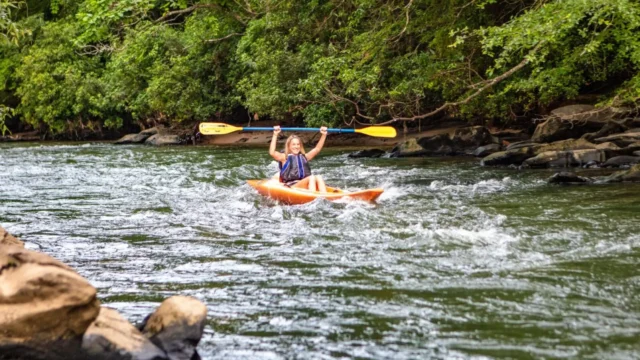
(294, 146)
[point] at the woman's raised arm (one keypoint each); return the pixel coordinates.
(278, 156)
(316, 150)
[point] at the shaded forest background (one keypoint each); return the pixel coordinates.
(80, 69)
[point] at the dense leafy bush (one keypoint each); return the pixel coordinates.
(99, 63)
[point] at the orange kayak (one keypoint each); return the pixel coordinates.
(294, 196)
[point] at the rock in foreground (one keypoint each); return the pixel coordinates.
(50, 312)
(177, 326)
(112, 335)
(41, 299)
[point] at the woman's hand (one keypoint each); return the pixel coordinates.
(323, 130)
(276, 130)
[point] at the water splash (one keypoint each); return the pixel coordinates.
(454, 260)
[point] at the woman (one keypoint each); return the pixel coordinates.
(294, 162)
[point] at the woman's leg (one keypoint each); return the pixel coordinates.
(322, 187)
(303, 184)
(312, 183)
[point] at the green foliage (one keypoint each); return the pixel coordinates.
(10, 31)
(164, 73)
(5, 113)
(581, 46)
(57, 86)
(100, 63)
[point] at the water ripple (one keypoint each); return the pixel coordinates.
(454, 261)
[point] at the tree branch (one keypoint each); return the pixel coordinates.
(192, 8)
(397, 37)
(340, 98)
(487, 84)
(223, 38)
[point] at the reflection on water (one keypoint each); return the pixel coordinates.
(453, 261)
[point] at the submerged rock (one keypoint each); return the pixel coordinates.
(567, 178)
(367, 153)
(631, 175)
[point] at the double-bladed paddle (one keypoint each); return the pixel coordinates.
(207, 128)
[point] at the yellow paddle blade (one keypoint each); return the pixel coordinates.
(378, 131)
(217, 128)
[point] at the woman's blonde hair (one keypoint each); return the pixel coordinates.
(286, 145)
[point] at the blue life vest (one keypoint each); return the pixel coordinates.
(295, 168)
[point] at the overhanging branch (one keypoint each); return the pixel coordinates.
(223, 38)
(487, 84)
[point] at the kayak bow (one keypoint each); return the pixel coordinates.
(274, 189)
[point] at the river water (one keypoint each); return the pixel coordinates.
(454, 261)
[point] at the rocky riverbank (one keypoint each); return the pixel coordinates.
(49, 311)
(570, 137)
(573, 136)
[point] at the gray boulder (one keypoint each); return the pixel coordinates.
(564, 145)
(508, 157)
(631, 175)
(565, 158)
(609, 148)
(572, 110)
(132, 139)
(611, 127)
(522, 144)
(440, 144)
(151, 131)
(567, 178)
(621, 160)
(623, 140)
(177, 326)
(571, 121)
(485, 150)
(41, 299)
(112, 336)
(457, 141)
(367, 153)
(163, 140)
(407, 149)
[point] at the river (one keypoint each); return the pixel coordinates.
(454, 261)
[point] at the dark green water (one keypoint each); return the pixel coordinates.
(454, 261)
